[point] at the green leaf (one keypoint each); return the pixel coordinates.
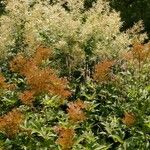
(116, 138)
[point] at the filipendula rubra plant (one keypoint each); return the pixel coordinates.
(79, 38)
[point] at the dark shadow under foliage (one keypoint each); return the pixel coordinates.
(132, 11)
(2, 7)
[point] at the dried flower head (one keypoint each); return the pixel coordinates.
(42, 53)
(3, 84)
(18, 63)
(66, 137)
(27, 97)
(129, 119)
(40, 80)
(11, 87)
(75, 111)
(102, 71)
(126, 55)
(46, 81)
(140, 52)
(10, 123)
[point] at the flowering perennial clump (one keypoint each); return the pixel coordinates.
(85, 45)
(10, 123)
(75, 111)
(40, 79)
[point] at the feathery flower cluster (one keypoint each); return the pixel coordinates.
(3, 84)
(75, 111)
(42, 53)
(40, 80)
(129, 119)
(10, 123)
(46, 81)
(139, 52)
(18, 63)
(102, 71)
(27, 97)
(65, 138)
